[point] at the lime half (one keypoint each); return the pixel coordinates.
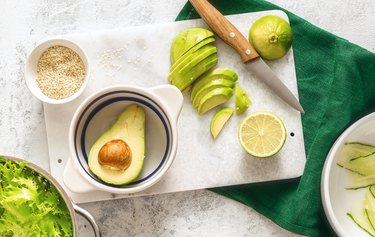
(271, 37)
(262, 134)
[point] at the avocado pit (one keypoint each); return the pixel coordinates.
(115, 155)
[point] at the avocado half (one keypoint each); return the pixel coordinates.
(129, 127)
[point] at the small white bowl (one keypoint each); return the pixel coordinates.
(31, 69)
(162, 106)
(337, 201)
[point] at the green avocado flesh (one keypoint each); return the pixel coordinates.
(129, 127)
(186, 79)
(218, 73)
(219, 120)
(194, 49)
(191, 61)
(217, 83)
(185, 40)
(214, 98)
(242, 100)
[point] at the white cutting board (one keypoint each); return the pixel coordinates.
(140, 56)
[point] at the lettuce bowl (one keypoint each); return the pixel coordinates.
(32, 203)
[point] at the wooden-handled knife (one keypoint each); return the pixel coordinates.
(253, 62)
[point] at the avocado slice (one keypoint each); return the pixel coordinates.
(214, 98)
(186, 79)
(186, 90)
(186, 39)
(219, 120)
(191, 61)
(196, 47)
(129, 128)
(218, 73)
(210, 86)
(242, 100)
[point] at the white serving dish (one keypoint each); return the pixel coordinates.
(337, 201)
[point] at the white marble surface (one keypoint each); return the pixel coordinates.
(22, 130)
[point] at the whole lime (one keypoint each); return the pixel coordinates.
(271, 36)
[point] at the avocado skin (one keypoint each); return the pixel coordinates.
(129, 127)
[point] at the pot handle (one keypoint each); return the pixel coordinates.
(85, 214)
(171, 97)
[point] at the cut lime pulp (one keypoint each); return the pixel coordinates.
(262, 134)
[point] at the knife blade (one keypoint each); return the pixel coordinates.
(254, 63)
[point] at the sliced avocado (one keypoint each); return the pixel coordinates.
(186, 90)
(192, 50)
(186, 79)
(218, 73)
(242, 100)
(186, 39)
(129, 128)
(210, 86)
(192, 60)
(219, 120)
(214, 98)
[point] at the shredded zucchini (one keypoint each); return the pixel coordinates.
(359, 160)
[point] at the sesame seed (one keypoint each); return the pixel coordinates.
(60, 72)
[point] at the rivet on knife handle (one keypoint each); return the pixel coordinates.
(225, 30)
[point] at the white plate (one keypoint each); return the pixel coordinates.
(337, 201)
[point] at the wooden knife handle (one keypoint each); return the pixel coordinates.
(225, 30)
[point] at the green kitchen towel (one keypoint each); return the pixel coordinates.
(336, 84)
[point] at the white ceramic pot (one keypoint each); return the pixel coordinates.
(162, 106)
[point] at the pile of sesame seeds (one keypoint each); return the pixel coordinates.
(60, 72)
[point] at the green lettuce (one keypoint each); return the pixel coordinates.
(29, 204)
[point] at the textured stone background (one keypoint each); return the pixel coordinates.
(22, 130)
